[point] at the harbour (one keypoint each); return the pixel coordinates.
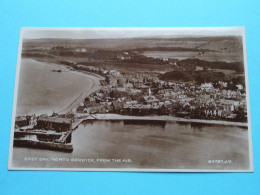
(175, 145)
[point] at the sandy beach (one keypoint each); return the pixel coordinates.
(95, 85)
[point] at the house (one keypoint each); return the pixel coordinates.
(121, 81)
(81, 109)
(128, 85)
(182, 96)
(138, 84)
(114, 72)
(131, 102)
(111, 80)
(206, 86)
(240, 87)
(81, 50)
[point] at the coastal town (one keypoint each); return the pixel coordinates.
(143, 94)
(132, 85)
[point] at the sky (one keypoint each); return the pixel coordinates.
(113, 33)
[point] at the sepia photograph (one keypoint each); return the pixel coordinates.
(132, 99)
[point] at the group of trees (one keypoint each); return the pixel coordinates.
(197, 76)
(237, 66)
(141, 59)
(200, 77)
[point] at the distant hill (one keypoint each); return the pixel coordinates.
(135, 43)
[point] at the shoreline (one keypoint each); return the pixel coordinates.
(68, 69)
(94, 79)
(95, 85)
(164, 118)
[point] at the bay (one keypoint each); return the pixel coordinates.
(43, 91)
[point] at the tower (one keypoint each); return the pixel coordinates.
(149, 92)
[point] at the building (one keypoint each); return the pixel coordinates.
(138, 84)
(54, 123)
(81, 50)
(111, 80)
(206, 86)
(22, 121)
(121, 81)
(81, 110)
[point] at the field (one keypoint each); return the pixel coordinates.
(180, 55)
(221, 56)
(208, 56)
